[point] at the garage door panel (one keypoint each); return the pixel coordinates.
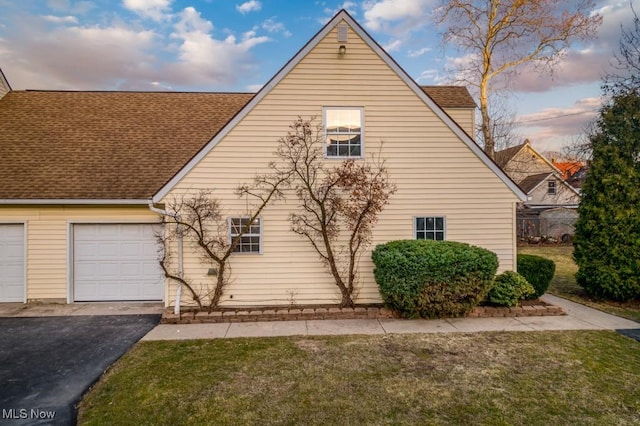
(12, 263)
(116, 262)
(132, 249)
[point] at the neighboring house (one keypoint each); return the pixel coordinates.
(538, 177)
(78, 171)
(5, 87)
(546, 189)
(573, 172)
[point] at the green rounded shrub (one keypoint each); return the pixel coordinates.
(433, 279)
(538, 271)
(508, 288)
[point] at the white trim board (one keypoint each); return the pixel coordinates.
(73, 201)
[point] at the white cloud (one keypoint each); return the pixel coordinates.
(349, 6)
(204, 59)
(61, 19)
(153, 9)
(191, 21)
(381, 14)
(77, 57)
(576, 67)
(249, 6)
(428, 76)
(553, 127)
(181, 52)
(272, 26)
(393, 45)
(419, 52)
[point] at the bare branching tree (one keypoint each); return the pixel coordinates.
(338, 209)
(499, 36)
(199, 220)
(626, 61)
(338, 206)
(503, 123)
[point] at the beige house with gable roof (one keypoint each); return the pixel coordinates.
(80, 214)
(551, 208)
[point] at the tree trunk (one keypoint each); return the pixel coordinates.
(487, 134)
(347, 301)
(217, 293)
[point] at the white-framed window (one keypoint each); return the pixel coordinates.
(251, 240)
(429, 228)
(343, 132)
(551, 187)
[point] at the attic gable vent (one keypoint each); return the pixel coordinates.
(343, 31)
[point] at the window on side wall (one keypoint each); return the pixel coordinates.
(343, 132)
(429, 228)
(251, 240)
(551, 187)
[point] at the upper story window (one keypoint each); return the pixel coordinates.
(551, 187)
(430, 228)
(343, 132)
(251, 240)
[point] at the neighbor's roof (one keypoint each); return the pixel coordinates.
(503, 157)
(65, 145)
(567, 168)
(103, 145)
(531, 182)
(450, 96)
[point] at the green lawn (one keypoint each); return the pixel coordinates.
(564, 282)
(533, 378)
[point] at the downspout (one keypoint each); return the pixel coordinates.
(176, 308)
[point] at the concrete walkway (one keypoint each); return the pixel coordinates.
(579, 317)
(79, 309)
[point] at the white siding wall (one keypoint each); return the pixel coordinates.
(564, 194)
(436, 174)
(47, 241)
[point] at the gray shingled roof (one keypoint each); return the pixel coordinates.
(503, 157)
(530, 182)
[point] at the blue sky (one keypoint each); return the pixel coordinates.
(229, 45)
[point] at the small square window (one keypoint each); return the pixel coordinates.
(251, 240)
(343, 132)
(430, 228)
(551, 187)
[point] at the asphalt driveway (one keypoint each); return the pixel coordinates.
(47, 363)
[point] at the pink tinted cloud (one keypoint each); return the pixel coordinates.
(553, 127)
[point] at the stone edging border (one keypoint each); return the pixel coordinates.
(293, 314)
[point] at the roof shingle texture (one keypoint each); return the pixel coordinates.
(103, 145)
(503, 157)
(450, 96)
(117, 145)
(530, 182)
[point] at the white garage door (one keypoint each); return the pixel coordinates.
(116, 262)
(11, 263)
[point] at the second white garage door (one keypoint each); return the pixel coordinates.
(116, 262)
